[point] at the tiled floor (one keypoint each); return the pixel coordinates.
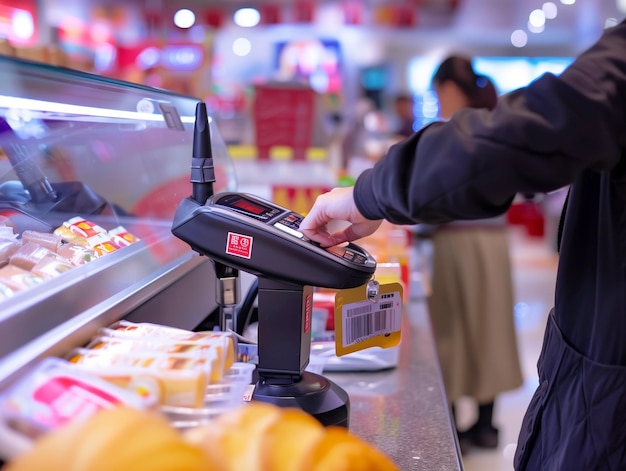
(534, 271)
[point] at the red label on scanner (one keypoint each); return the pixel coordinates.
(308, 307)
(239, 245)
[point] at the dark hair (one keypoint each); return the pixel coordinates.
(479, 89)
(406, 97)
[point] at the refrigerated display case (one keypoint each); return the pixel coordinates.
(116, 154)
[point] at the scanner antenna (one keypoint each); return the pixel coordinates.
(202, 171)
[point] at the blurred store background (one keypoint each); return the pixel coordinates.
(305, 81)
(303, 90)
(222, 50)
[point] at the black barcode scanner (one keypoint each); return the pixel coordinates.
(249, 233)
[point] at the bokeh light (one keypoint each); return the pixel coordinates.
(519, 38)
(247, 17)
(184, 18)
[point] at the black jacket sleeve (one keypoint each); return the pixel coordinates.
(537, 139)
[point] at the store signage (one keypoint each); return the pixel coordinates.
(181, 57)
(16, 24)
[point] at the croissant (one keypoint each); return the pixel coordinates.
(117, 439)
(264, 437)
(253, 437)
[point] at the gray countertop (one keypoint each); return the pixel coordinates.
(403, 411)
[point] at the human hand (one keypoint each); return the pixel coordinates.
(337, 204)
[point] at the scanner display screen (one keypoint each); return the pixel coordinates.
(249, 206)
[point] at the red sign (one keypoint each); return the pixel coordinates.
(405, 16)
(308, 307)
(270, 14)
(304, 11)
(214, 18)
(283, 116)
(18, 21)
(239, 245)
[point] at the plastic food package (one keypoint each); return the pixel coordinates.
(17, 278)
(30, 254)
(69, 236)
(76, 254)
(177, 380)
(225, 340)
(55, 392)
(212, 352)
(48, 240)
(122, 237)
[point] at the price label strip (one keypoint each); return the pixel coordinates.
(368, 316)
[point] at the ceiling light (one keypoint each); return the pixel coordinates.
(184, 18)
(247, 17)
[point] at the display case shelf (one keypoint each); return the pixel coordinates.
(116, 154)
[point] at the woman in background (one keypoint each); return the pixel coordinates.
(472, 302)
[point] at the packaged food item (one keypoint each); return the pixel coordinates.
(102, 244)
(55, 392)
(17, 278)
(207, 351)
(225, 342)
(7, 248)
(30, 254)
(148, 344)
(122, 237)
(49, 240)
(84, 227)
(51, 267)
(70, 236)
(76, 254)
(81, 231)
(175, 380)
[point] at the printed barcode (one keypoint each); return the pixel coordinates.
(368, 325)
(358, 311)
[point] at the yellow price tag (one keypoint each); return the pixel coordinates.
(368, 316)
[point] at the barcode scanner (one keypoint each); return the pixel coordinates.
(248, 233)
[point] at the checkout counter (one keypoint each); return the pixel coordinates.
(403, 410)
(120, 153)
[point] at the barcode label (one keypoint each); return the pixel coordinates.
(359, 311)
(366, 320)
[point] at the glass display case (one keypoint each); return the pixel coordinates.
(116, 156)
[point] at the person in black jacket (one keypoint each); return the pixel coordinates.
(559, 130)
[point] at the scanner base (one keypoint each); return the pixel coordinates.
(313, 393)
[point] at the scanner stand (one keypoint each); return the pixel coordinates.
(284, 343)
